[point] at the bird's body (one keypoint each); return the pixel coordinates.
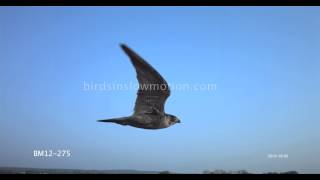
(152, 94)
(141, 121)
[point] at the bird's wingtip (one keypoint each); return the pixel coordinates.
(123, 45)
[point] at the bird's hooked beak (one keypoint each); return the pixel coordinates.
(178, 121)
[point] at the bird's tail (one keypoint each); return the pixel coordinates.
(122, 120)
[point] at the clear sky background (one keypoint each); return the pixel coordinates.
(264, 61)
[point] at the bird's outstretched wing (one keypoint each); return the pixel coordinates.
(153, 89)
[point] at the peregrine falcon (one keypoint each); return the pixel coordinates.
(151, 97)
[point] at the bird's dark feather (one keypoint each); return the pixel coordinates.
(153, 88)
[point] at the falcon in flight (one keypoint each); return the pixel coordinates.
(151, 97)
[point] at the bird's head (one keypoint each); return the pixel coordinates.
(171, 119)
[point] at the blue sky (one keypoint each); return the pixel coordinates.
(263, 60)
